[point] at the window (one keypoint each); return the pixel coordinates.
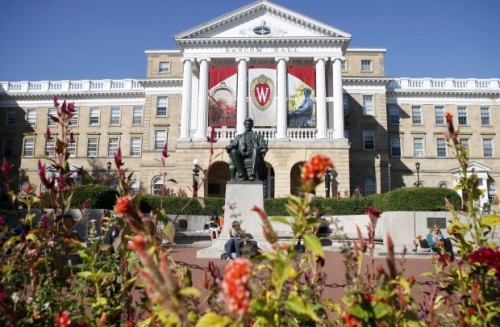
(113, 144)
(8, 147)
(164, 67)
(31, 117)
(370, 187)
(441, 147)
(488, 147)
(462, 115)
(443, 185)
(416, 115)
(465, 143)
(161, 106)
(396, 147)
(368, 140)
(344, 65)
(92, 144)
(74, 119)
(95, 116)
(439, 115)
(135, 146)
(11, 118)
(345, 103)
(137, 115)
(485, 116)
(114, 118)
(368, 105)
(52, 112)
(394, 115)
(134, 186)
(366, 65)
(72, 147)
(157, 185)
(418, 147)
(160, 137)
(29, 147)
(50, 147)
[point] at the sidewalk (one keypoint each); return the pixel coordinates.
(334, 268)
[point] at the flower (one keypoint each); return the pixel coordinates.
(164, 152)
(49, 183)
(486, 256)
(123, 205)
(6, 167)
(47, 134)
(314, 170)
(118, 158)
(235, 288)
(56, 103)
(374, 215)
(63, 319)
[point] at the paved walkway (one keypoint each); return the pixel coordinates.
(334, 268)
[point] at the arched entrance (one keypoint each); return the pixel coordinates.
(218, 175)
(295, 182)
(269, 182)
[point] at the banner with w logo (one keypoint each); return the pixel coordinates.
(262, 96)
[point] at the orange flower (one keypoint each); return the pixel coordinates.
(123, 205)
(234, 286)
(314, 170)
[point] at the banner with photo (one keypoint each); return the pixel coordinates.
(262, 96)
(222, 96)
(301, 96)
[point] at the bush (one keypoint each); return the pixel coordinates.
(174, 205)
(101, 197)
(419, 199)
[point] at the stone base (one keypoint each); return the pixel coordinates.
(241, 196)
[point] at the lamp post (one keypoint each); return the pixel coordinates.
(109, 170)
(328, 182)
(196, 173)
(417, 166)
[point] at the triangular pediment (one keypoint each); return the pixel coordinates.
(474, 165)
(262, 20)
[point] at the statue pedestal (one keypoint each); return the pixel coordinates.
(241, 196)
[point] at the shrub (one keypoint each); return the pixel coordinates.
(419, 199)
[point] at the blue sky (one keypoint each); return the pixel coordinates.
(97, 39)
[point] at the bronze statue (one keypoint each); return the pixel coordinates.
(247, 153)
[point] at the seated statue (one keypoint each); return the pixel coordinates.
(247, 153)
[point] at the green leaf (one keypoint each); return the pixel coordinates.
(381, 310)
(99, 302)
(313, 243)
(190, 291)
(88, 275)
(213, 320)
(491, 220)
(280, 219)
(297, 305)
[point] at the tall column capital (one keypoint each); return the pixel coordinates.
(191, 60)
(238, 59)
(278, 59)
(203, 59)
(341, 59)
(316, 59)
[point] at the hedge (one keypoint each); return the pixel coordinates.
(403, 199)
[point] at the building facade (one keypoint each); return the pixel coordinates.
(257, 62)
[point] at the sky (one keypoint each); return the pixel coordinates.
(101, 39)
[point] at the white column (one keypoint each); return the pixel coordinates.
(241, 98)
(338, 110)
(321, 120)
(187, 80)
(201, 132)
(281, 98)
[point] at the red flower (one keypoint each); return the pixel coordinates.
(212, 138)
(164, 153)
(118, 158)
(63, 319)
(47, 134)
(6, 168)
(56, 104)
(372, 212)
(49, 183)
(235, 288)
(123, 205)
(486, 256)
(314, 170)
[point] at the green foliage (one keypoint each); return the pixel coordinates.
(101, 197)
(177, 205)
(418, 199)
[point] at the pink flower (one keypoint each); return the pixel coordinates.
(6, 167)
(47, 134)
(212, 138)
(56, 103)
(235, 288)
(49, 183)
(123, 205)
(486, 256)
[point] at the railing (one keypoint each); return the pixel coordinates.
(224, 133)
(71, 86)
(444, 84)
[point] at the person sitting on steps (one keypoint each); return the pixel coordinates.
(435, 241)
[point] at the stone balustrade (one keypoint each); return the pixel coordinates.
(90, 86)
(444, 84)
